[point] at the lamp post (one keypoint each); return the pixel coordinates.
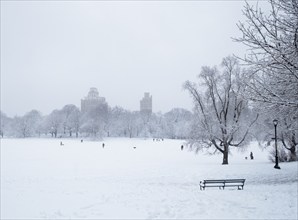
(275, 122)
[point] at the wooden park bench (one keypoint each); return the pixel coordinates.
(222, 183)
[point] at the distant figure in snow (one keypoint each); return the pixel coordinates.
(82, 141)
(251, 156)
(134, 147)
(245, 158)
(182, 147)
(103, 145)
(61, 144)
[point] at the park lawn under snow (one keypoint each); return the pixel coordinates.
(41, 179)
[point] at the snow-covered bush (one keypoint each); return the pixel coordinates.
(281, 153)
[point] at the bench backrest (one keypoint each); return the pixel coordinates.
(235, 180)
(225, 181)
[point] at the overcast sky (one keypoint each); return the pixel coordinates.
(52, 52)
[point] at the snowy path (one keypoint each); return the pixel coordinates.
(40, 179)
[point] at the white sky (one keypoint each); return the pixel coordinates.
(52, 52)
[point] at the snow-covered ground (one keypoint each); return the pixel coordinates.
(41, 179)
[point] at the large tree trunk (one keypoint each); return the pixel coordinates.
(225, 155)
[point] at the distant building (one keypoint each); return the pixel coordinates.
(146, 103)
(92, 100)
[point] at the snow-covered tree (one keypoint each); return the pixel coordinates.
(272, 40)
(287, 137)
(143, 122)
(122, 123)
(178, 122)
(27, 125)
(70, 115)
(108, 122)
(93, 121)
(159, 124)
(130, 123)
(5, 122)
(75, 121)
(21, 127)
(54, 122)
(35, 119)
(219, 105)
(116, 124)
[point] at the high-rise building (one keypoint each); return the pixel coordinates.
(146, 103)
(92, 100)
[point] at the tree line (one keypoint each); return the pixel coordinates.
(101, 121)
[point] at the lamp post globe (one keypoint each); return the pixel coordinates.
(275, 122)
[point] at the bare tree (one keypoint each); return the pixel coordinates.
(219, 106)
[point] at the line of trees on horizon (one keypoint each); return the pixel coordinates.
(97, 123)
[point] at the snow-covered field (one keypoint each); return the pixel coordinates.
(41, 179)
